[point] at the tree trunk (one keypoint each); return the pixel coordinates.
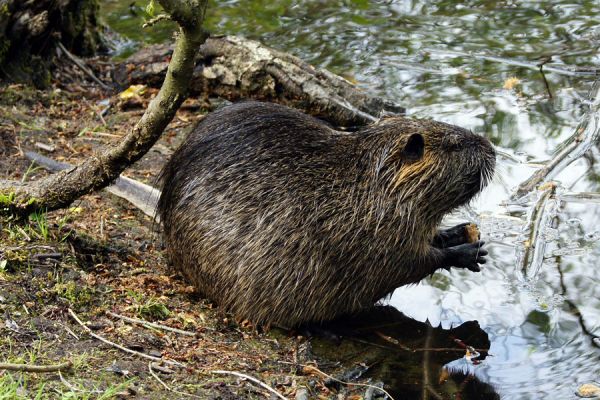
(30, 30)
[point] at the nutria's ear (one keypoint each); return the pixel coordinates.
(414, 148)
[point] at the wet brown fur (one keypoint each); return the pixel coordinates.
(281, 219)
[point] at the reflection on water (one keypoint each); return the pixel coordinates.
(413, 358)
(453, 61)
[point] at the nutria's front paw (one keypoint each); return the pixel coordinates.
(451, 237)
(468, 255)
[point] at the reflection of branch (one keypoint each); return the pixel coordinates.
(585, 135)
(581, 197)
(546, 82)
(595, 340)
(562, 70)
(428, 337)
(534, 247)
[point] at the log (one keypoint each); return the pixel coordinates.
(235, 68)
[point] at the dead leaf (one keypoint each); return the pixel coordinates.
(511, 83)
(132, 91)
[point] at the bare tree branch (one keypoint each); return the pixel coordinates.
(61, 189)
(585, 135)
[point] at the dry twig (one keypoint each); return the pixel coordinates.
(167, 386)
(36, 368)
(151, 324)
(118, 346)
(260, 383)
(80, 64)
(312, 368)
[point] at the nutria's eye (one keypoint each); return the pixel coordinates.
(414, 148)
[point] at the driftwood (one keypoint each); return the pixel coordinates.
(234, 68)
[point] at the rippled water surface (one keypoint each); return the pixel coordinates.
(538, 298)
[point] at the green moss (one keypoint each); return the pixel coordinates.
(7, 199)
(75, 294)
(153, 310)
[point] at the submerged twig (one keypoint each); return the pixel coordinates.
(533, 255)
(312, 368)
(563, 70)
(585, 135)
(581, 197)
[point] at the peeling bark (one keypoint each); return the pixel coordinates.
(234, 68)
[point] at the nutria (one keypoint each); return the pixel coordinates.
(281, 219)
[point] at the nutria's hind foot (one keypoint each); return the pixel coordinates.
(467, 255)
(451, 237)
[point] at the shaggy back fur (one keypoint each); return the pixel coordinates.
(281, 219)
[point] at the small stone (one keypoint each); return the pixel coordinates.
(588, 390)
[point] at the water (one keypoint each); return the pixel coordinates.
(454, 62)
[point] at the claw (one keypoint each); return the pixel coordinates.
(475, 268)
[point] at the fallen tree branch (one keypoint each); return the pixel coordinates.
(235, 68)
(36, 368)
(143, 197)
(585, 136)
(61, 189)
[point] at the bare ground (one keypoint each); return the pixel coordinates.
(102, 255)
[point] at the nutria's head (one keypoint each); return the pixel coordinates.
(433, 163)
